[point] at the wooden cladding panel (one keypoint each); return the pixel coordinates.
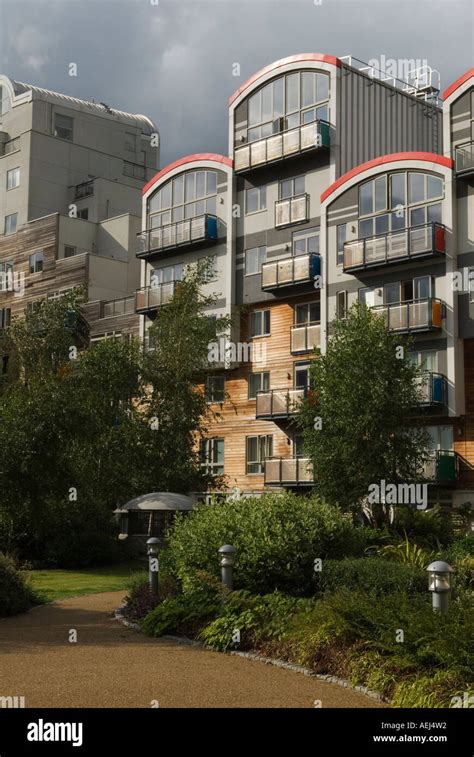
(236, 416)
(464, 441)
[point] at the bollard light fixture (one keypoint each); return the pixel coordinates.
(226, 562)
(440, 583)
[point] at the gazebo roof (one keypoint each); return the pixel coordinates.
(158, 501)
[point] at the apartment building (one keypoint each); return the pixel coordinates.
(343, 186)
(71, 175)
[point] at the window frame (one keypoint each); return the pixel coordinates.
(267, 440)
(33, 259)
(263, 318)
(261, 259)
(262, 381)
(55, 127)
(16, 171)
(10, 233)
(211, 391)
(210, 446)
(259, 190)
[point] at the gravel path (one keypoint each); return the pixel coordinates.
(113, 666)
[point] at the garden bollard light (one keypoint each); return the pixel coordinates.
(439, 583)
(226, 553)
(153, 548)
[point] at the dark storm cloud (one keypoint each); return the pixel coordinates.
(174, 61)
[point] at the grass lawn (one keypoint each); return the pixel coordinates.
(58, 584)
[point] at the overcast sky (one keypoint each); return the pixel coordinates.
(173, 61)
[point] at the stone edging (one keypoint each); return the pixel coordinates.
(344, 682)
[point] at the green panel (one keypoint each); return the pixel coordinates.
(446, 468)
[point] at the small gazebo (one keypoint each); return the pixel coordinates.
(151, 515)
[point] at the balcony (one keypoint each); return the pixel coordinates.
(121, 306)
(442, 467)
(278, 403)
(290, 271)
(464, 159)
(191, 232)
(412, 316)
(291, 210)
(305, 338)
(86, 189)
(288, 471)
(396, 247)
(433, 389)
(151, 298)
(286, 144)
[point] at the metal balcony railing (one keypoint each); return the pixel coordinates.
(153, 297)
(395, 247)
(464, 159)
(86, 189)
(313, 136)
(290, 271)
(414, 315)
(305, 338)
(291, 210)
(288, 471)
(442, 467)
(187, 233)
(278, 403)
(121, 306)
(433, 389)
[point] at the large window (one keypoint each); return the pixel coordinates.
(305, 242)
(255, 199)
(397, 201)
(13, 178)
(63, 126)
(11, 223)
(307, 312)
(212, 456)
(215, 389)
(36, 262)
(258, 382)
(6, 276)
(260, 323)
(188, 195)
(5, 318)
(166, 275)
(287, 102)
(258, 448)
(291, 187)
(254, 258)
(341, 240)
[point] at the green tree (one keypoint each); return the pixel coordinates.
(358, 420)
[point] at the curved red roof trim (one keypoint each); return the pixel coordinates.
(211, 156)
(458, 83)
(331, 59)
(429, 157)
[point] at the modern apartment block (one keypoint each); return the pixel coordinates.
(343, 186)
(71, 174)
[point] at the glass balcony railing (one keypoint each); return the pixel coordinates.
(121, 306)
(464, 159)
(288, 471)
(291, 210)
(433, 389)
(305, 338)
(414, 315)
(153, 297)
(278, 403)
(86, 189)
(396, 247)
(290, 271)
(187, 233)
(302, 139)
(442, 467)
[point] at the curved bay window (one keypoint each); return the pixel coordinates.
(287, 102)
(397, 201)
(188, 195)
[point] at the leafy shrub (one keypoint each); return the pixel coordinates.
(432, 690)
(463, 547)
(371, 574)
(406, 552)
(257, 620)
(15, 594)
(428, 528)
(140, 600)
(277, 538)
(186, 613)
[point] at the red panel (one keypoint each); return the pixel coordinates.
(284, 62)
(209, 156)
(429, 157)
(458, 83)
(440, 242)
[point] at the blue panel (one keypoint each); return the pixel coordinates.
(315, 266)
(212, 227)
(438, 388)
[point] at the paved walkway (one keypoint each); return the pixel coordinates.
(113, 666)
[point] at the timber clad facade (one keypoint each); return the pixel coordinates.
(341, 188)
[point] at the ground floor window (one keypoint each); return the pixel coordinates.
(212, 456)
